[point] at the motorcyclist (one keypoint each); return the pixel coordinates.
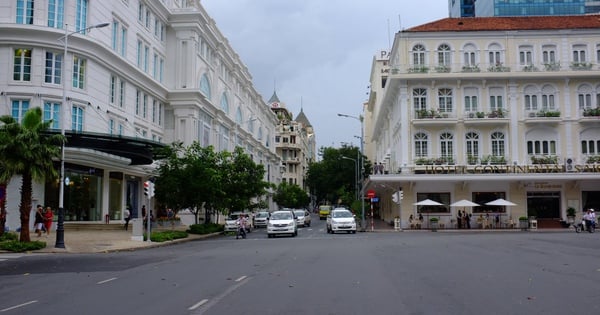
(589, 219)
(241, 222)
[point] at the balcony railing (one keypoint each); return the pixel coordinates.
(491, 67)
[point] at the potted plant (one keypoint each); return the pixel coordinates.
(571, 214)
(434, 223)
(523, 223)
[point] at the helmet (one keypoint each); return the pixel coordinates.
(592, 210)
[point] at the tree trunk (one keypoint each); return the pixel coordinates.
(25, 206)
(3, 209)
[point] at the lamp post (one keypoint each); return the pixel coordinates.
(362, 165)
(355, 175)
(60, 225)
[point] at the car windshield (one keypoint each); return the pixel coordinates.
(342, 214)
(281, 216)
(233, 216)
(262, 215)
(299, 213)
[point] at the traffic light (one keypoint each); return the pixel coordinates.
(147, 188)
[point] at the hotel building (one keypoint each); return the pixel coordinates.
(154, 73)
(487, 108)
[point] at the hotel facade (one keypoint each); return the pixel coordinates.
(154, 73)
(488, 108)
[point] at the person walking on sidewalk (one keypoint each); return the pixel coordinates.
(39, 220)
(127, 215)
(48, 217)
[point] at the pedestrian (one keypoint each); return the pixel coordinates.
(48, 217)
(459, 219)
(127, 215)
(467, 219)
(39, 220)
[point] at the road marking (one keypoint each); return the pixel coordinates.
(17, 306)
(208, 305)
(240, 278)
(107, 280)
(195, 306)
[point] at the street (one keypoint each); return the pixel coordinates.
(421, 272)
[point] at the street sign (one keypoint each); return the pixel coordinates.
(374, 199)
(370, 193)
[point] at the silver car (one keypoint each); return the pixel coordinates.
(282, 222)
(261, 219)
(302, 217)
(341, 220)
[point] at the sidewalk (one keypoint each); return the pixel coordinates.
(102, 241)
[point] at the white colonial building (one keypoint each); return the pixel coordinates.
(487, 108)
(136, 74)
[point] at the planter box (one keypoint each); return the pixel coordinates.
(524, 225)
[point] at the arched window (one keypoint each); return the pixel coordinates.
(205, 86)
(446, 145)
(225, 103)
(531, 98)
(421, 144)
(495, 55)
(238, 115)
(443, 54)
(497, 140)
(419, 99)
(470, 55)
(472, 146)
(548, 96)
(445, 100)
(584, 97)
(418, 54)
(260, 133)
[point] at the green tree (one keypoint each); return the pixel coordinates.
(28, 149)
(189, 178)
(333, 177)
(291, 196)
(243, 182)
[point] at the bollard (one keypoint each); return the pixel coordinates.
(107, 219)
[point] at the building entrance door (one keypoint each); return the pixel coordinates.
(543, 205)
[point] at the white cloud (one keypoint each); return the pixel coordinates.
(317, 51)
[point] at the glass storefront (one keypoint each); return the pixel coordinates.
(82, 194)
(115, 195)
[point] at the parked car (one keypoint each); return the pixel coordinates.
(302, 217)
(282, 222)
(231, 222)
(341, 219)
(261, 219)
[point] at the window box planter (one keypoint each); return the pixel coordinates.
(498, 68)
(418, 69)
(591, 112)
(552, 66)
(471, 69)
(544, 159)
(530, 68)
(442, 69)
(578, 66)
(593, 159)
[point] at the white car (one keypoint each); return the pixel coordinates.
(302, 217)
(341, 220)
(261, 219)
(282, 222)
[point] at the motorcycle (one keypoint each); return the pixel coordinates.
(582, 226)
(241, 231)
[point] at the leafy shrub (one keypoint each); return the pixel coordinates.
(163, 236)
(9, 236)
(18, 247)
(205, 228)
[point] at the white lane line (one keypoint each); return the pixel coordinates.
(240, 278)
(207, 306)
(17, 306)
(107, 280)
(3, 259)
(195, 306)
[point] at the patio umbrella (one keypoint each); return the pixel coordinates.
(428, 202)
(500, 202)
(464, 203)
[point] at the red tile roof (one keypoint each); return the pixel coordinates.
(471, 24)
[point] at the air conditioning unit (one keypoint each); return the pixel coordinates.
(569, 165)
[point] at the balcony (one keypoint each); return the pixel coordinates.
(432, 116)
(496, 70)
(494, 117)
(590, 115)
(542, 116)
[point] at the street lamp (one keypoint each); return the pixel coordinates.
(355, 175)
(362, 164)
(60, 225)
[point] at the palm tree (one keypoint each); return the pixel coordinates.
(27, 149)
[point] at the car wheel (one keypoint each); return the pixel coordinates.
(270, 235)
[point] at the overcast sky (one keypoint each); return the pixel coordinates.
(317, 54)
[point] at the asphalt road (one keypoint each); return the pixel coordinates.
(318, 273)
